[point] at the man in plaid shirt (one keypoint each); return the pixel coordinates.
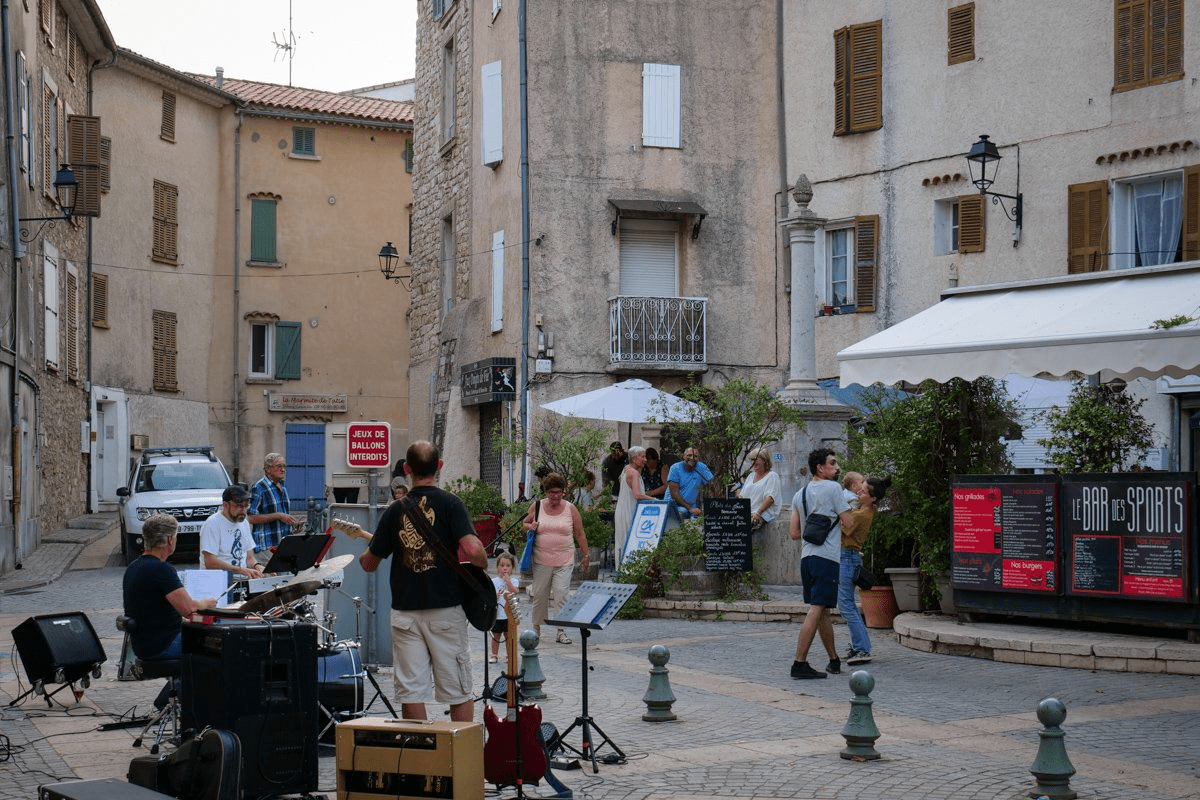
(269, 504)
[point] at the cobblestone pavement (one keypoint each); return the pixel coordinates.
(950, 727)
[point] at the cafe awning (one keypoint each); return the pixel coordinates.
(1048, 328)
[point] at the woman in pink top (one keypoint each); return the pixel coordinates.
(558, 530)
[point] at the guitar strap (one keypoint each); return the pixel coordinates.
(409, 505)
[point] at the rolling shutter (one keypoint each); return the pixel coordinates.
(648, 257)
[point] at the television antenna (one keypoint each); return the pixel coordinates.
(285, 43)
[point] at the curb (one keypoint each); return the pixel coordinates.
(57, 552)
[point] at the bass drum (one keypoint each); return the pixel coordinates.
(340, 679)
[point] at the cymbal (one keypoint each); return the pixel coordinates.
(323, 571)
(281, 595)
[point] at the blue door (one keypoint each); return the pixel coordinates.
(306, 466)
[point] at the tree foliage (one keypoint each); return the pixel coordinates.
(923, 441)
(566, 445)
(738, 416)
(1100, 430)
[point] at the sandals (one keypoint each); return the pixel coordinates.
(563, 638)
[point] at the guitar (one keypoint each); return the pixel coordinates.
(513, 753)
(478, 594)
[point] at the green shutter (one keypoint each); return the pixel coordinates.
(408, 156)
(287, 350)
(262, 230)
(304, 141)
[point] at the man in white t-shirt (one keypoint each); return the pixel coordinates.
(225, 539)
(820, 565)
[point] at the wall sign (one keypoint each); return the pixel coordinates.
(492, 380)
(1005, 533)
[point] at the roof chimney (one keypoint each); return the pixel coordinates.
(220, 76)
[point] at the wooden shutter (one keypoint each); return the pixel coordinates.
(972, 223)
(105, 164)
(660, 105)
(72, 53)
(46, 17)
(72, 324)
(262, 231)
(858, 85)
(164, 351)
(1087, 227)
(960, 38)
(166, 210)
(866, 261)
(304, 141)
(1147, 42)
(841, 119)
(1166, 40)
(99, 300)
(492, 107)
(287, 350)
(497, 281)
(408, 156)
(1191, 213)
(48, 165)
(83, 153)
(168, 116)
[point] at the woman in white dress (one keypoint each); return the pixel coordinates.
(761, 486)
(632, 490)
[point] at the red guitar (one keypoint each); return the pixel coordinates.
(500, 762)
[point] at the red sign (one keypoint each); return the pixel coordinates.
(369, 444)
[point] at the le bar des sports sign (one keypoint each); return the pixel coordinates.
(368, 444)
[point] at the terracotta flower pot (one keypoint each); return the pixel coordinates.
(879, 606)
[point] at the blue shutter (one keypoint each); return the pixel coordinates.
(287, 350)
(305, 451)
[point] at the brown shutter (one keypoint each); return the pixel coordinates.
(46, 17)
(83, 138)
(841, 116)
(99, 300)
(866, 76)
(1166, 24)
(105, 163)
(166, 204)
(48, 165)
(866, 261)
(168, 116)
(72, 325)
(1191, 213)
(972, 223)
(164, 351)
(1087, 227)
(960, 27)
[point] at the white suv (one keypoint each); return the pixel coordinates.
(185, 482)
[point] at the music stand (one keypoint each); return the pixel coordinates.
(593, 606)
(298, 552)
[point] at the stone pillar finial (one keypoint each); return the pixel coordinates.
(802, 191)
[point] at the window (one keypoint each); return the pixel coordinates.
(858, 78)
(493, 115)
(167, 130)
(649, 257)
(449, 273)
(263, 230)
(99, 300)
(83, 153)
(304, 141)
(165, 352)
(850, 265)
(1147, 43)
(497, 281)
(660, 105)
(445, 120)
(50, 296)
(166, 223)
(274, 350)
(1149, 225)
(960, 34)
(438, 8)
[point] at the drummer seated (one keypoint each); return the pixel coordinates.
(226, 542)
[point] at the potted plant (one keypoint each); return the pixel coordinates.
(681, 562)
(484, 503)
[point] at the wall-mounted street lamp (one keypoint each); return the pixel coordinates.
(389, 259)
(982, 162)
(66, 189)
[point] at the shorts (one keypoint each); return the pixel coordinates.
(819, 577)
(431, 656)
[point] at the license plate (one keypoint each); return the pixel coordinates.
(189, 528)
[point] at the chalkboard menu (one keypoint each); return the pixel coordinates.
(1005, 534)
(1128, 534)
(727, 534)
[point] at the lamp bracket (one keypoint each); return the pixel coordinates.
(28, 237)
(998, 200)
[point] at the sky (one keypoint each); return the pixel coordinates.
(338, 44)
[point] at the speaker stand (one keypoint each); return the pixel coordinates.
(35, 689)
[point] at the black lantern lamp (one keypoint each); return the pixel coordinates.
(66, 189)
(389, 258)
(982, 161)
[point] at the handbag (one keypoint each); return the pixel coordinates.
(863, 577)
(527, 553)
(816, 526)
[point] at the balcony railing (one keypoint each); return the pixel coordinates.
(669, 332)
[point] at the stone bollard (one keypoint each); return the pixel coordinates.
(531, 667)
(659, 698)
(1052, 768)
(860, 732)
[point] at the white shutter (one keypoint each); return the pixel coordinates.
(660, 105)
(497, 281)
(50, 292)
(493, 115)
(649, 257)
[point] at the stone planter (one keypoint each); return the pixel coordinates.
(906, 581)
(593, 570)
(879, 606)
(695, 582)
(946, 590)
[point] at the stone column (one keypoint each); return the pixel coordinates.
(802, 230)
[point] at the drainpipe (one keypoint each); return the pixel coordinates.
(237, 291)
(784, 247)
(14, 228)
(524, 104)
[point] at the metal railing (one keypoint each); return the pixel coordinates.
(666, 331)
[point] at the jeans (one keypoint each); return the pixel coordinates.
(859, 640)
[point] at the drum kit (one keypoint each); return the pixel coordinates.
(340, 671)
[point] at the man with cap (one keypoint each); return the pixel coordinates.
(612, 466)
(225, 539)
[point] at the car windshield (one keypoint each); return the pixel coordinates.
(175, 476)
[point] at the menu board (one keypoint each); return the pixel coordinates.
(1005, 534)
(727, 534)
(1128, 534)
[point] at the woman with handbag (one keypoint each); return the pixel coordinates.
(870, 492)
(554, 523)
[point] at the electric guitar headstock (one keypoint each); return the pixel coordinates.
(351, 529)
(513, 612)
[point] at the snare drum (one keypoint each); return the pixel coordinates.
(339, 683)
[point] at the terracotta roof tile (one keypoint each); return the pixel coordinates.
(314, 101)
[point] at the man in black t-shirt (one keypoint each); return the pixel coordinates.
(429, 626)
(612, 466)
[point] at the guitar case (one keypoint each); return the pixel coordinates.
(208, 767)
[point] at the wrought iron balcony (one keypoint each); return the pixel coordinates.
(658, 332)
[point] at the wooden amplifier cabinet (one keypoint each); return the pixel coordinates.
(403, 758)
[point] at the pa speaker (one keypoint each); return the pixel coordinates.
(58, 648)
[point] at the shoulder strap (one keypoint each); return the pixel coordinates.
(408, 505)
(804, 499)
(537, 510)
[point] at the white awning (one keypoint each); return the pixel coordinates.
(1048, 328)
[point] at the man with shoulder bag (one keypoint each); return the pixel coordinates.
(824, 510)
